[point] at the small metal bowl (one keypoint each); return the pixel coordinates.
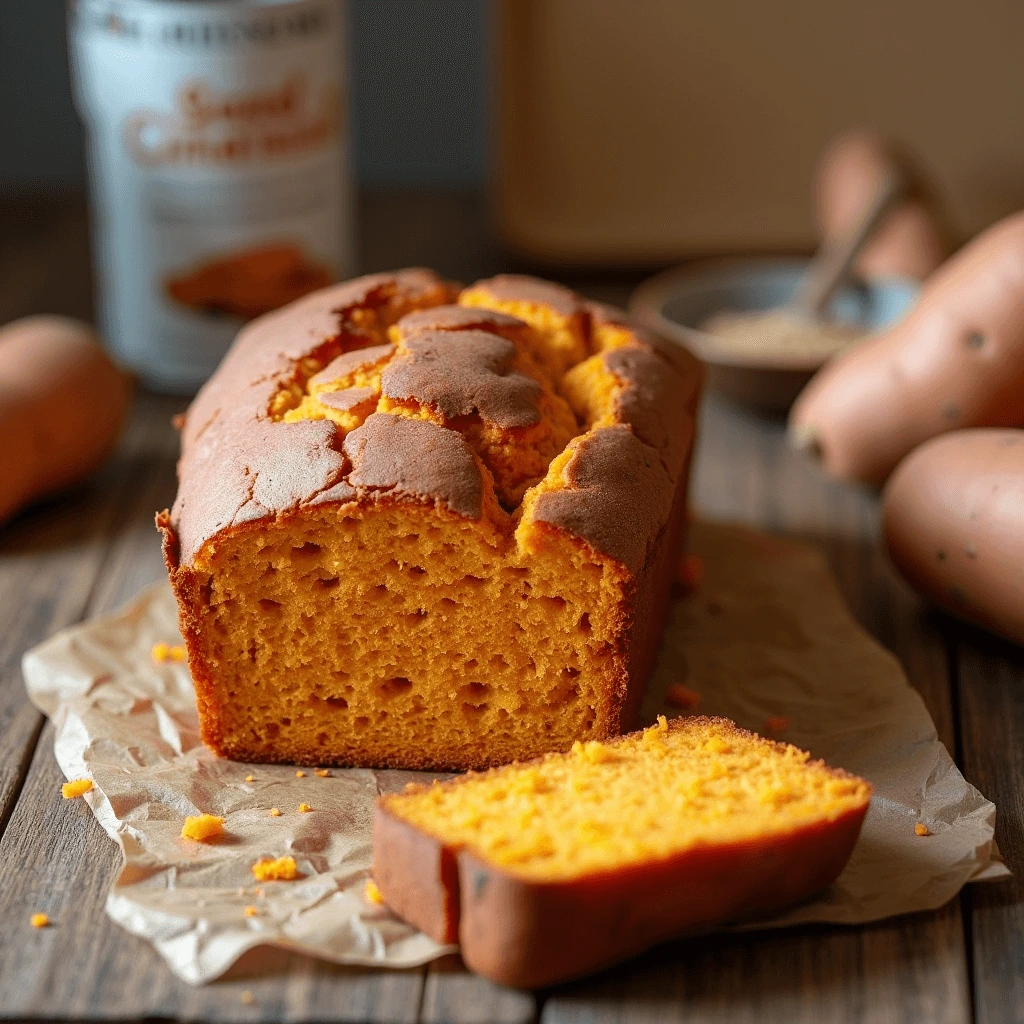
(675, 303)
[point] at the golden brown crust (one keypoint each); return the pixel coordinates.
(463, 373)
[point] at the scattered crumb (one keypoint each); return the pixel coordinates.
(690, 573)
(251, 911)
(776, 724)
(247, 997)
(373, 893)
(202, 828)
(921, 829)
(283, 869)
(250, 778)
(274, 812)
(679, 696)
(39, 920)
(304, 808)
(76, 787)
(162, 652)
(300, 775)
(322, 772)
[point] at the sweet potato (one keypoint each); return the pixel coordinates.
(62, 402)
(954, 525)
(955, 361)
(912, 242)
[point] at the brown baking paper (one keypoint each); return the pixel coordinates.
(766, 636)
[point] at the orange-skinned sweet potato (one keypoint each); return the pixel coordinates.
(954, 525)
(956, 361)
(62, 402)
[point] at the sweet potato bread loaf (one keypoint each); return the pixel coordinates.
(548, 870)
(420, 528)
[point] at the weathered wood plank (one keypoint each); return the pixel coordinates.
(49, 560)
(912, 968)
(991, 691)
(453, 994)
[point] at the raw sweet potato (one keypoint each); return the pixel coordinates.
(954, 525)
(911, 242)
(62, 402)
(956, 361)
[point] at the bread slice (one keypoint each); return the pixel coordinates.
(552, 869)
(414, 530)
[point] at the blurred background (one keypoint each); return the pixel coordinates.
(590, 140)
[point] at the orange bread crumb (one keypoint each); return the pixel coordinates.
(76, 787)
(202, 828)
(300, 775)
(322, 772)
(250, 778)
(283, 869)
(679, 696)
(39, 920)
(304, 808)
(921, 829)
(251, 911)
(690, 573)
(373, 893)
(275, 812)
(165, 652)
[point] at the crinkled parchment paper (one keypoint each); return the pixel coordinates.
(767, 635)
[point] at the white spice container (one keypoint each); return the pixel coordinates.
(218, 169)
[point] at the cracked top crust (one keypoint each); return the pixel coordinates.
(462, 373)
(323, 402)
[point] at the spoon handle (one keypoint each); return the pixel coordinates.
(833, 261)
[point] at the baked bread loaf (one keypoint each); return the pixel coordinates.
(420, 528)
(553, 869)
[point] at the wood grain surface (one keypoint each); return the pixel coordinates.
(87, 552)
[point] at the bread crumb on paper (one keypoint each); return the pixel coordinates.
(75, 788)
(300, 775)
(275, 812)
(322, 772)
(202, 828)
(247, 997)
(251, 911)
(281, 869)
(162, 653)
(304, 808)
(250, 778)
(373, 893)
(39, 920)
(921, 829)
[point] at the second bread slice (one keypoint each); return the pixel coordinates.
(551, 869)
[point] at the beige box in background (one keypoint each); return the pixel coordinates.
(645, 131)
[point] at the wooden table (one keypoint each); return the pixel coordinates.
(89, 551)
